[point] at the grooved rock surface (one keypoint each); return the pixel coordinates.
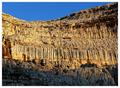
(84, 41)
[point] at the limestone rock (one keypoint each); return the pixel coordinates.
(86, 40)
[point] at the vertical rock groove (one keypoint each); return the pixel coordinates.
(81, 38)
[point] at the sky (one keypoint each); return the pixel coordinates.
(42, 11)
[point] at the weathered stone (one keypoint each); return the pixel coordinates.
(87, 39)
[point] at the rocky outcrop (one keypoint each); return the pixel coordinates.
(74, 37)
(86, 38)
(24, 74)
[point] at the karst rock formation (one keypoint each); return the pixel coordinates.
(88, 36)
(82, 44)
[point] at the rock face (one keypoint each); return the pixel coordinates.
(19, 74)
(86, 38)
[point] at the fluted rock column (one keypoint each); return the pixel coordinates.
(49, 51)
(101, 57)
(37, 59)
(42, 53)
(52, 54)
(106, 57)
(30, 52)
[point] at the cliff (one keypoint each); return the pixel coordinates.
(85, 37)
(79, 49)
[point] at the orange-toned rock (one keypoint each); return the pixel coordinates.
(72, 40)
